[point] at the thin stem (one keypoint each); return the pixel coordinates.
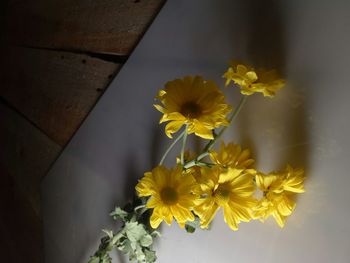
(139, 207)
(171, 146)
(201, 163)
(210, 144)
(183, 146)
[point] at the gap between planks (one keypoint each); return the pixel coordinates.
(54, 90)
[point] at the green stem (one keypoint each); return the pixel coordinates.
(210, 144)
(171, 146)
(182, 157)
(201, 163)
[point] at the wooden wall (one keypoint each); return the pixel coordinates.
(57, 58)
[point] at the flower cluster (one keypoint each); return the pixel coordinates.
(228, 182)
(197, 188)
(199, 185)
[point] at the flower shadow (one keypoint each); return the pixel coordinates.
(276, 130)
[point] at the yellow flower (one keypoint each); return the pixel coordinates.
(250, 81)
(231, 189)
(171, 195)
(231, 155)
(277, 205)
(195, 102)
(278, 189)
(291, 180)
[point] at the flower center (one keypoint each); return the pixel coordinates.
(190, 109)
(222, 195)
(168, 195)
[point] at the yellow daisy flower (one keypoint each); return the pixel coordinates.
(232, 189)
(195, 102)
(278, 189)
(232, 155)
(171, 195)
(250, 81)
(279, 206)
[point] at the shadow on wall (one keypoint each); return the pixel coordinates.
(282, 123)
(266, 45)
(134, 171)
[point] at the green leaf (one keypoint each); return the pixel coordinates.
(106, 259)
(146, 240)
(134, 231)
(190, 229)
(125, 246)
(116, 238)
(104, 243)
(191, 226)
(119, 213)
(109, 233)
(140, 256)
(155, 233)
(150, 256)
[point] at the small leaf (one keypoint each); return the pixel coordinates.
(146, 240)
(190, 229)
(116, 238)
(155, 233)
(109, 233)
(134, 231)
(139, 254)
(191, 226)
(104, 243)
(125, 246)
(150, 256)
(119, 213)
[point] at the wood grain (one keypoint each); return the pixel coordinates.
(54, 90)
(26, 153)
(104, 26)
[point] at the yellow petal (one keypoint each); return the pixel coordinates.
(279, 219)
(173, 116)
(159, 108)
(181, 214)
(202, 131)
(206, 212)
(230, 174)
(165, 213)
(252, 76)
(230, 219)
(241, 69)
(286, 206)
(155, 219)
(153, 202)
(173, 127)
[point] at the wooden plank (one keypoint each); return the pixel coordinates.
(20, 227)
(26, 153)
(54, 90)
(104, 26)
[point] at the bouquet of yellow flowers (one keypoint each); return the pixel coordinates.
(191, 192)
